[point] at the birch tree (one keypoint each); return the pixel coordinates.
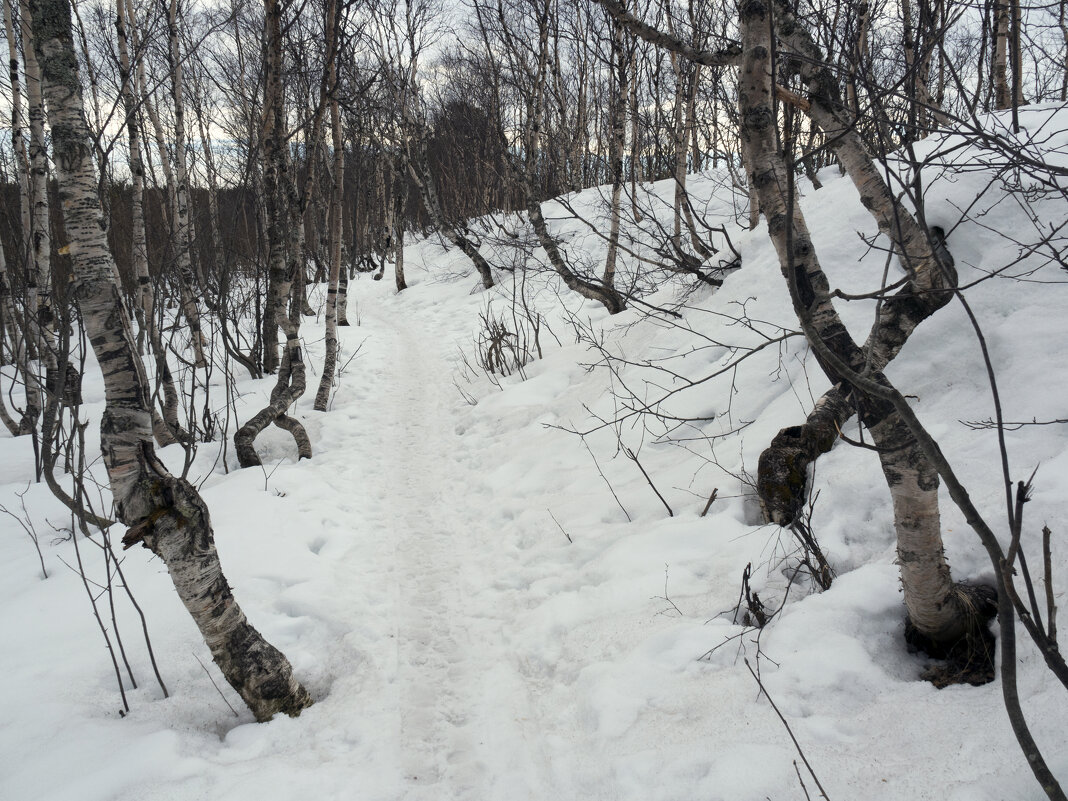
(181, 220)
(163, 513)
(24, 321)
(322, 397)
(942, 613)
(283, 211)
(522, 36)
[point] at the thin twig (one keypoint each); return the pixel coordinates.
(711, 500)
(550, 511)
(606, 481)
(144, 622)
(665, 596)
(804, 789)
(634, 458)
(789, 731)
(216, 686)
(1051, 606)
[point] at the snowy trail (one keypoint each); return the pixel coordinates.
(432, 675)
(448, 631)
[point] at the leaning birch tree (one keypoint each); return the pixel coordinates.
(163, 513)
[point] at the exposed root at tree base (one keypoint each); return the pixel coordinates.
(969, 659)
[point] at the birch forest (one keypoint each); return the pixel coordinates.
(494, 348)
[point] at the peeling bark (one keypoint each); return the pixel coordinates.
(782, 472)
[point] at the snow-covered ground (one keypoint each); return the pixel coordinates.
(487, 606)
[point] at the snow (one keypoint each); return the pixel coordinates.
(477, 616)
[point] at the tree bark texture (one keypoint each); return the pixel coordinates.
(1002, 97)
(183, 225)
(617, 118)
(145, 299)
(5, 324)
(166, 428)
(164, 513)
(922, 254)
(400, 202)
(41, 229)
(934, 604)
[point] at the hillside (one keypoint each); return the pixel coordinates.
(504, 587)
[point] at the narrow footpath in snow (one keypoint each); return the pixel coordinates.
(447, 629)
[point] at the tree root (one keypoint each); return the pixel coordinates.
(969, 659)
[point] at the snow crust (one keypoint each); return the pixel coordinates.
(472, 609)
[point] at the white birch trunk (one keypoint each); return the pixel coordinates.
(167, 429)
(617, 116)
(322, 397)
(183, 226)
(41, 227)
(291, 379)
(1001, 56)
(28, 344)
(934, 605)
(164, 513)
(400, 202)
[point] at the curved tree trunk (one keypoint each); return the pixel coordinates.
(605, 295)
(164, 513)
(934, 603)
(608, 296)
(291, 379)
(783, 466)
(424, 180)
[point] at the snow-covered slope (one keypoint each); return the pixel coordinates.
(488, 606)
